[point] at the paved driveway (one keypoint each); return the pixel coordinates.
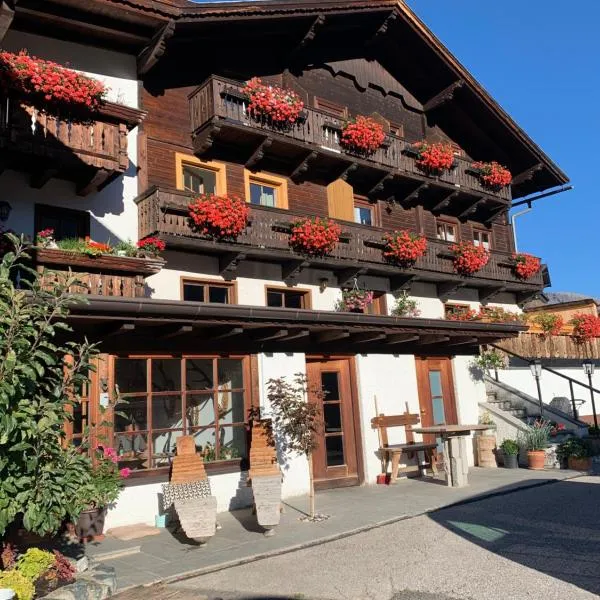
(542, 543)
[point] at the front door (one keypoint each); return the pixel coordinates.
(335, 461)
(436, 394)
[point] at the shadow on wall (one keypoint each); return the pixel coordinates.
(553, 529)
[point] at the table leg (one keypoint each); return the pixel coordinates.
(395, 465)
(456, 463)
(465, 459)
(447, 461)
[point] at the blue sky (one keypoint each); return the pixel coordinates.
(541, 60)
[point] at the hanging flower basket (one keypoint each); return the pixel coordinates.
(219, 217)
(403, 248)
(468, 258)
(315, 237)
(268, 102)
(492, 174)
(586, 327)
(434, 158)
(462, 313)
(526, 266)
(363, 136)
(48, 85)
(355, 300)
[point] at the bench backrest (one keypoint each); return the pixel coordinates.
(406, 420)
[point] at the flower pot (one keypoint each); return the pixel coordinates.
(486, 445)
(536, 459)
(90, 524)
(511, 461)
(579, 464)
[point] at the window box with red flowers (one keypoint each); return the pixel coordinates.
(362, 136)
(354, 300)
(547, 324)
(469, 258)
(526, 266)
(150, 246)
(462, 313)
(275, 105)
(315, 237)
(492, 174)
(48, 85)
(219, 217)
(497, 314)
(403, 248)
(433, 158)
(586, 327)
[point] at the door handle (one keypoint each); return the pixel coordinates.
(423, 412)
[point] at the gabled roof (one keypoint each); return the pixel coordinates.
(387, 31)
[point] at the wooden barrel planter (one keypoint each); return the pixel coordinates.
(486, 446)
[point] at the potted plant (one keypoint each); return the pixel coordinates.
(403, 248)
(492, 174)
(490, 360)
(434, 158)
(576, 452)
(406, 307)
(219, 217)
(469, 258)
(550, 323)
(315, 237)
(461, 313)
(103, 490)
(277, 105)
(355, 300)
(526, 266)
(510, 452)
(362, 136)
(152, 246)
(535, 440)
(586, 327)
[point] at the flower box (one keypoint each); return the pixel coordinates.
(363, 136)
(219, 217)
(279, 106)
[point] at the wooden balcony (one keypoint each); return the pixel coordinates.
(536, 345)
(104, 275)
(310, 149)
(90, 154)
(165, 213)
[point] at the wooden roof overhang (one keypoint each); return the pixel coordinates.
(128, 325)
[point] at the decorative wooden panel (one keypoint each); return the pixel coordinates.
(340, 200)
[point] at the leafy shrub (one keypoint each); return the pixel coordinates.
(573, 447)
(34, 563)
(490, 359)
(406, 307)
(510, 447)
(8, 557)
(18, 583)
(65, 569)
(536, 436)
(549, 323)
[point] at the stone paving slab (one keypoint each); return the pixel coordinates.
(170, 557)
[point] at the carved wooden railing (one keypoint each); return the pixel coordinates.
(164, 212)
(536, 345)
(104, 275)
(220, 98)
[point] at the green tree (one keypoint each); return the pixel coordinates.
(41, 373)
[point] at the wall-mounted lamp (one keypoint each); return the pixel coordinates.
(5, 209)
(323, 283)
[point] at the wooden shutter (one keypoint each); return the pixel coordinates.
(340, 199)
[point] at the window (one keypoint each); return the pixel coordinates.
(397, 129)
(66, 222)
(446, 231)
(365, 212)
(199, 176)
(77, 426)
(481, 238)
(266, 190)
(459, 312)
(165, 398)
(195, 290)
(333, 108)
(378, 306)
(285, 298)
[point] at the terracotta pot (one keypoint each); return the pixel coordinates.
(511, 461)
(536, 459)
(579, 464)
(90, 524)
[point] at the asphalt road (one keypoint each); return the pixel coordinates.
(542, 543)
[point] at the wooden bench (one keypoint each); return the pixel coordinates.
(393, 452)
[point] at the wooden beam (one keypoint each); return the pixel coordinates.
(259, 153)
(296, 335)
(379, 35)
(213, 130)
(292, 269)
(462, 341)
(446, 289)
(445, 202)
(309, 36)
(331, 336)
(367, 336)
(7, 14)
(414, 195)
(268, 334)
(117, 329)
(428, 340)
(523, 297)
(347, 276)
(527, 175)
(401, 338)
(379, 186)
(471, 209)
(175, 332)
(444, 96)
(495, 213)
(229, 263)
(221, 333)
(93, 182)
(151, 54)
(399, 283)
(41, 176)
(485, 295)
(347, 171)
(297, 173)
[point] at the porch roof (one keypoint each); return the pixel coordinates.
(151, 325)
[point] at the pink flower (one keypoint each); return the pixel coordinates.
(111, 454)
(125, 472)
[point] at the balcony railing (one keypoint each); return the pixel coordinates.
(536, 345)
(89, 153)
(165, 213)
(219, 100)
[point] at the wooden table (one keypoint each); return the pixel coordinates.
(456, 463)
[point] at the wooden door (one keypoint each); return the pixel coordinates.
(335, 461)
(436, 394)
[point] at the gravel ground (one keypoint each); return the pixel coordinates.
(541, 543)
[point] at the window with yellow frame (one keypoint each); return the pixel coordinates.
(264, 189)
(200, 176)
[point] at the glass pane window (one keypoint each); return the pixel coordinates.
(481, 238)
(446, 232)
(363, 215)
(200, 291)
(286, 299)
(199, 180)
(170, 397)
(334, 450)
(193, 292)
(262, 194)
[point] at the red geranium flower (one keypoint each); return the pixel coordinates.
(279, 105)
(434, 158)
(364, 135)
(493, 174)
(403, 248)
(526, 266)
(586, 327)
(315, 237)
(151, 244)
(468, 258)
(219, 217)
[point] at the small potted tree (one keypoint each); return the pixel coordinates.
(510, 452)
(576, 453)
(535, 440)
